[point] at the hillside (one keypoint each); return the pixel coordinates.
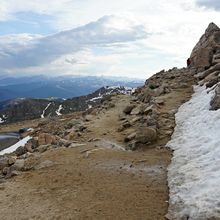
(21, 109)
(152, 154)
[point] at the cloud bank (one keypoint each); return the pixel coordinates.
(214, 4)
(23, 51)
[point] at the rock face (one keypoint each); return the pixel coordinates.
(205, 59)
(215, 103)
(207, 50)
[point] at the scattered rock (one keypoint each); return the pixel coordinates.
(3, 162)
(130, 137)
(31, 162)
(11, 160)
(89, 117)
(146, 135)
(45, 139)
(43, 148)
(18, 165)
(128, 109)
(6, 170)
(20, 151)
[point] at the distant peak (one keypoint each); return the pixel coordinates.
(212, 28)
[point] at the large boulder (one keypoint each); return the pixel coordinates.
(45, 139)
(146, 135)
(208, 46)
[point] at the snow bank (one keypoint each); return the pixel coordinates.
(194, 174)
(11, 149)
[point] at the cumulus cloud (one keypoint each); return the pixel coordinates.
(214, 4)
(20, 51)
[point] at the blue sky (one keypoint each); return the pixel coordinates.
(95, 37)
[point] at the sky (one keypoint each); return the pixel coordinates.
(123, 38)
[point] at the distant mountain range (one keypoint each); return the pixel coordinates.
(40, 86)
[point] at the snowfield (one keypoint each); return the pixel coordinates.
(194, 174)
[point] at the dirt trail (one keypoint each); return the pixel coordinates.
(96, 180)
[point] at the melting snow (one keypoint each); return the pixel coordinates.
(11, 149)
(42, 116)
(59, 109)
(194, 174)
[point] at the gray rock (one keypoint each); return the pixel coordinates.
(130, 137)
(3, 162)
(20, 151)
(5, 171)
(11, 160)
(18, 165)
(43, 148)
(146, 135)
(128, 109)
(215, 103)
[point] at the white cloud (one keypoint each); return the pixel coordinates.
(29, 51)
(174, 27)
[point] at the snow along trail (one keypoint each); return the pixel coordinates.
(14, 147)
(194, 173)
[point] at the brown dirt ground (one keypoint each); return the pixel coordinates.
(92, 181)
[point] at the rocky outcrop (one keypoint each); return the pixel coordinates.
(144, 120)
(205, 64)
(207, 50)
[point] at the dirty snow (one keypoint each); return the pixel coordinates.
(11, 149)
(58, 110)
(42, 116)
(194, 174)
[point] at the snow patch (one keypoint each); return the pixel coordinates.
(194, 173)
(14, 147)
(1, 121)
(42, 116)
(58, 110)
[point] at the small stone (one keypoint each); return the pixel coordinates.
(11, 160)
(130, 137)
(128, 109)
(43, 148)
(3, 162)
(5, 171)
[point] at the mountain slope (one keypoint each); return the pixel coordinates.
(26, 109)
